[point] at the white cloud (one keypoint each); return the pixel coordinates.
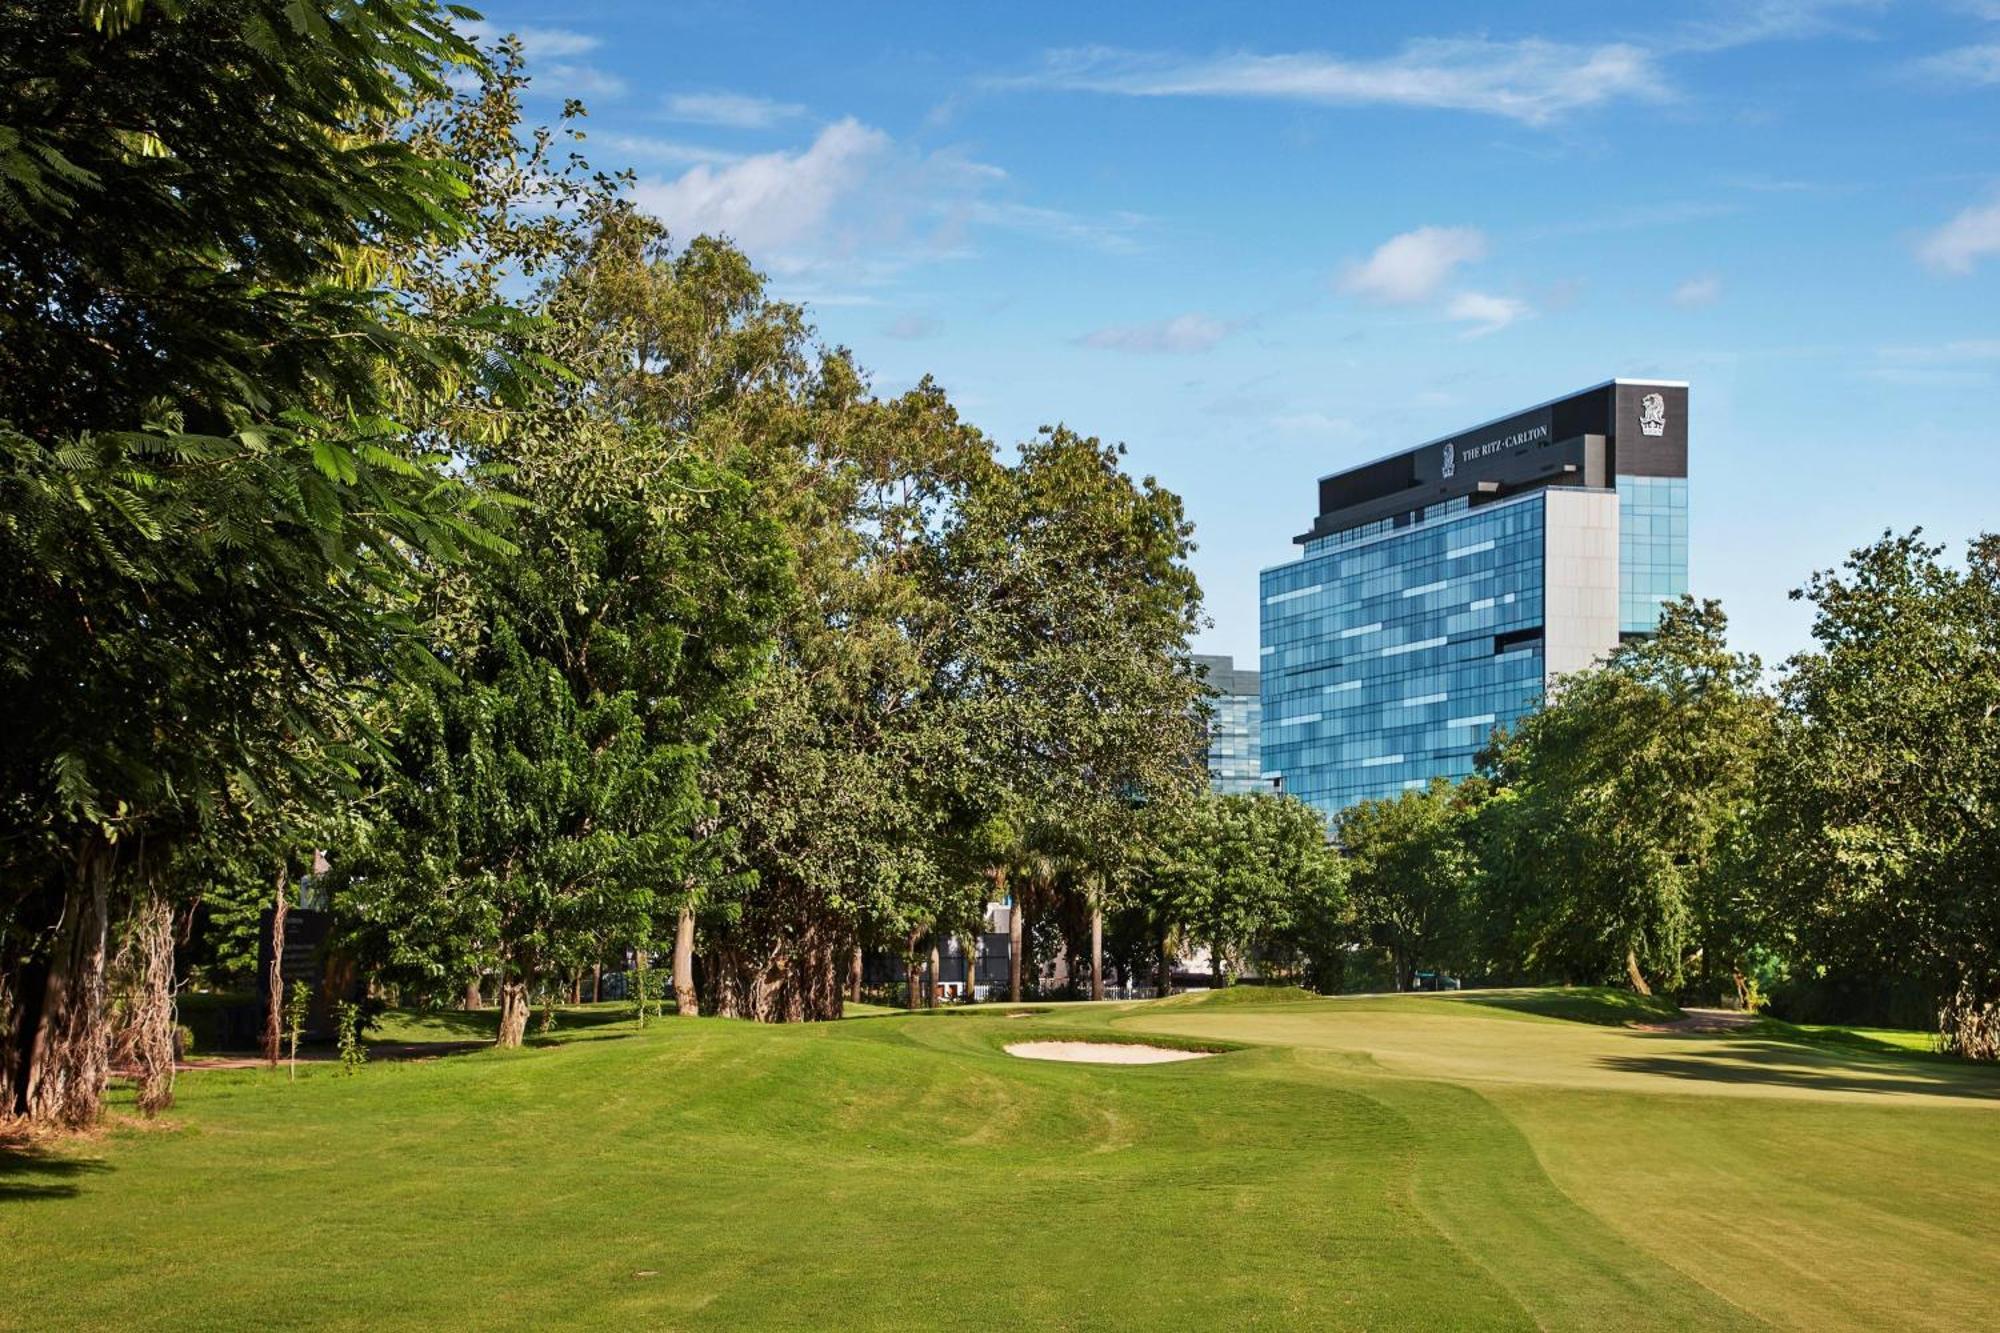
(1410, 268)
(732, 110)
(1965, 66)
(771, 199)
(1182, 333)
(851, 211)
(1487, 314)
(1699, 291)
(633, 148)
(1744, 23)
(1112, 232)
(1532, 80)
(1962, 242)
(578, 81)
(550, 52)
(536, 43)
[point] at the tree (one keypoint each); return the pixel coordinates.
(209, 515)
(1881, 834)
(548, 798)
(1077, 700)
(1411, 874)
(1250, 875)
(1628, 786)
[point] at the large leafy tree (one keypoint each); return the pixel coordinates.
(211, 516)
(1627, 791)
(1882, 836)
(1411, 874)
(1080, 702)
(547, 801)
(1249, 875)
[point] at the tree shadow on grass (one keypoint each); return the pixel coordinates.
(1599, 1005)
(28, 1173)
(1786, 1065)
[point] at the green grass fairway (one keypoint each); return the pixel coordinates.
(1467, 1161)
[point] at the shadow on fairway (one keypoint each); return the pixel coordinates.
(1599, 1005)
(1778, 1064)
(28, 1174)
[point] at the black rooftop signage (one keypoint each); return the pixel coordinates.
(1630, 427)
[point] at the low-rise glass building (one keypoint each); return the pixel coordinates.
(1442, 588)
(1234, 726)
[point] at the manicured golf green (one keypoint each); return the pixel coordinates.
(1477, 1161)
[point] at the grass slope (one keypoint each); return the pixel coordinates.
(1415, 1162)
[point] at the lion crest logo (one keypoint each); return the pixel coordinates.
(1450, 459)
(1652, 415)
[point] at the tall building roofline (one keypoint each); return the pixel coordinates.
(1494, 421)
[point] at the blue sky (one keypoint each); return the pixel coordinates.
(1258, 244)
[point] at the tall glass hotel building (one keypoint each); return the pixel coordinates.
(1443, 587)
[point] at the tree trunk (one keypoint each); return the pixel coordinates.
(513, 1011)
(854, 976)
(67, 1065)
(969, 946)
(685, 1002)
(150, 1024)
(1633, 974)
(1166, 986)
(473, 1000)
(597, 983)
(1216, 979)
(937, 977)
(1096, 952)
(913, 968)
(274, 983)
(1015, 934)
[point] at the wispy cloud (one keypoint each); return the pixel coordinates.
(553, 68)
(1117, 232)
(1533, 80)
(911, 327)
(1638, 217)
(1485, 313)
(536, 43)
(1698, 291)
(1412, 267)
(1959, 363)
(1747, 22)
(1975, 66)
(1181, 334)
(770, 199)
(730, 110)
(1961, 243)
(1316, 425)
(580, 81)
(853, 209)
(637, 149)
(1957, 351)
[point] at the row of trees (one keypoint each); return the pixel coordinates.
(376, 482)
(1677, 820)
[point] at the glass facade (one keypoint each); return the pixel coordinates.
(1391, 650)
(1234, 728)
(1652, 548)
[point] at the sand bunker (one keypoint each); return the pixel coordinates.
(1101, 1052)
